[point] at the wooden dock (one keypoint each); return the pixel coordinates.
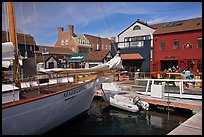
(165, 101)
(192, 126)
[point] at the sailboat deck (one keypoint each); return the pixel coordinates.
(35, 92)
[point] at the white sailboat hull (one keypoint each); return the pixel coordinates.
(37, 117)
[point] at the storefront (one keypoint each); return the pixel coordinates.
(132, 62)
(76, 60)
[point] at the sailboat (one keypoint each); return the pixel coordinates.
(55, 96)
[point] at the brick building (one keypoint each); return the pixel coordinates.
(80, 43)
(69, 39)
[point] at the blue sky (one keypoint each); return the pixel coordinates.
(104, 19)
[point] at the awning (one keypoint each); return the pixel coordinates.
(131, 56)
(77, 57)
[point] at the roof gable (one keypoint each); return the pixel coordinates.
(136, 22)
(44, 58)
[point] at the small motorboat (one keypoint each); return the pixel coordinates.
(124, 100)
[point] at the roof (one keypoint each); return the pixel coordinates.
(184, 25)
(96, 40)
(187, 25)
(131, 56)
(77, 57)
(54, 50)
(96, 55)
(21, 38)
(43, 58)
(138, 21)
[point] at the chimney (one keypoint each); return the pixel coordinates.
(60, 29)
(70, 30)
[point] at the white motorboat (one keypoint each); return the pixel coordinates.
(124, 100)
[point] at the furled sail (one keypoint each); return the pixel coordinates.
(115, 62)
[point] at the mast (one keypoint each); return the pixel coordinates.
(13, 40)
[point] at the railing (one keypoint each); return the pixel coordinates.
(180, 83)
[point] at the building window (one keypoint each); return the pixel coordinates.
(79, 41)
(137, 27)
(62, 42)
(147, 37)
(162, 45)
(199, 66)
(66, 42)
(176, 44)
(31, 48)
(97, 47)
(173, 24)
(199, 42)
(137, 41)
(137, 44)
(191, 63)
(125, 39)
(188, 46)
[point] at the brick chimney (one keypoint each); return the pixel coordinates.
(60, 29)
(70, 30)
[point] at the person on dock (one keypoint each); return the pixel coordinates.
(183, 76)
(187, 73)
(178, 69)
(173, 69)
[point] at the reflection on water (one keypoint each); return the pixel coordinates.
(103, 119)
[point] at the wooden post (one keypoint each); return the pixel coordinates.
(13, 40)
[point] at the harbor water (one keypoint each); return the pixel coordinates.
(102, 119)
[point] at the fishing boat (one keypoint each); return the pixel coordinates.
(125, 101)
(51, 97)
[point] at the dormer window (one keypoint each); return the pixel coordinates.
(137, 27)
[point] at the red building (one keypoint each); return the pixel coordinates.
(178, 43)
